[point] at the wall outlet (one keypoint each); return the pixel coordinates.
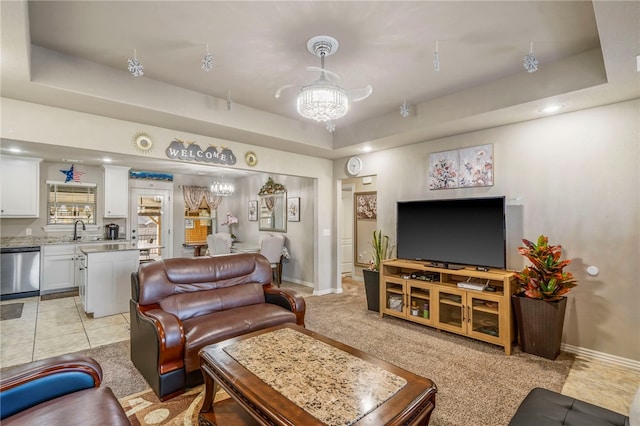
(28, 231)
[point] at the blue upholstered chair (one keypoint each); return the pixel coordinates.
(63, 390)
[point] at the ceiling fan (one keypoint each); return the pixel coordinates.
(325, 99)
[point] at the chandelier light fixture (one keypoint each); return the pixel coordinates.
(530, 61)
(134, 66)
(207, 61)
(221, 188)
(322, 100)
(325, 100)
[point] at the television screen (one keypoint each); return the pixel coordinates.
(456, 231)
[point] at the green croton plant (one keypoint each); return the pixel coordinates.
(545, 278)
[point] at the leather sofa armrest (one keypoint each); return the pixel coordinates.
(288, 299)
(28, 385)
(172, 340)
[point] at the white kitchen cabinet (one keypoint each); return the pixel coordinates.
(107, 288)
(20, 183)
(58, 268)
(116, 191)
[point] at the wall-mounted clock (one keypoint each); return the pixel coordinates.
(251, 158)
(354, 166)
(142, 142)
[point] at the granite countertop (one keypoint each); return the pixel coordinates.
(24, 241)
(101, 248)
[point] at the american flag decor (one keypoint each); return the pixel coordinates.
(72, 174)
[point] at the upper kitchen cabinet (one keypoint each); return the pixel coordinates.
(116, 191)
(20, 183)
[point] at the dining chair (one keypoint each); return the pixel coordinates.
(271, 248)
(219, 243)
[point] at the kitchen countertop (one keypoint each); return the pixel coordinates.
(101, 248)
(24, 241)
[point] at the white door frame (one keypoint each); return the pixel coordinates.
(139, 188)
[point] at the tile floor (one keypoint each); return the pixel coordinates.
(53, 327)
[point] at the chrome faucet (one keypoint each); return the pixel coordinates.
(75, 229)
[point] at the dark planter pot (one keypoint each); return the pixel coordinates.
(540, 325)
(372, 288)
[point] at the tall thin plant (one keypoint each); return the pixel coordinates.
(382, 249)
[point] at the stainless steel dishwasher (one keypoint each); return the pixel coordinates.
(19, 272)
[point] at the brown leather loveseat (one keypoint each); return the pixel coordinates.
(180, 305)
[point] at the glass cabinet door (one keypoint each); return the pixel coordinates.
(394, 297)
(420, 302)
(451, 310)
(484, 317)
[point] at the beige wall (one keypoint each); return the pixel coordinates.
(573, 177)
(69, 129)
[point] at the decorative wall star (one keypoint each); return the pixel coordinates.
(72, 174)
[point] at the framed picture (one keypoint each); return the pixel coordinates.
(366, 205)
(443, 170)
(293, 209)
(253, 210)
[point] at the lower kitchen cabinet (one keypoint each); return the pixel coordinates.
(58, 268)
(106, 285)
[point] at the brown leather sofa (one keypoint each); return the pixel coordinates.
(62, 390)
(180, 305)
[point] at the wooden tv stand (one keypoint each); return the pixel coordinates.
(478, 314)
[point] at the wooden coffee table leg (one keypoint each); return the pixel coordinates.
(207, 415)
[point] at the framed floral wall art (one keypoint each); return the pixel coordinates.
(366, 205)
(293, 209)
(461, 168)
(476, 166)
(443, 170)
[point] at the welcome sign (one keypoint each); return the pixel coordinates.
(191, 151)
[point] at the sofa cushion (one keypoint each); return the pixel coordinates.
(161, 279)
(95, 406)
(212, 328)
(196, 304)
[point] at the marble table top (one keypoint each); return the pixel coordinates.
(332, 385)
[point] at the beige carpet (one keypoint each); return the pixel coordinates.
(477, 383)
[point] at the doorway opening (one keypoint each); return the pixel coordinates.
(150, 227)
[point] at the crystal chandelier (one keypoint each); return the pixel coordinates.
(221, 188)
(322, 100)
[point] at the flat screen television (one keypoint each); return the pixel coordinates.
(467, 231)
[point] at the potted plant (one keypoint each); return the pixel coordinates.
(540, 303)
(382, 250)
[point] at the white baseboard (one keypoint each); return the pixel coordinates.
(601, 356)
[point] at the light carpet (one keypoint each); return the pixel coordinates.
(477, 383)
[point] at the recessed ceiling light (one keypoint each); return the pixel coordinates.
(550, 109)
(107, 160)
(15, 150)
(71, 160)
(366, 148)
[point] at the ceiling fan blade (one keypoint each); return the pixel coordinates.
(280, 89)
(356, 95)
(330, 73)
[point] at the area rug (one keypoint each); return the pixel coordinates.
(145, 408)
(11, 311)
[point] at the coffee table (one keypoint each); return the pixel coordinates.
(288, 375)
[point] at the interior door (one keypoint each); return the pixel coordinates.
(346, 237)
(151, 222)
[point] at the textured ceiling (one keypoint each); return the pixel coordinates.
(76, 54)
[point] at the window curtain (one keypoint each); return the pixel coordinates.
(193, 196)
